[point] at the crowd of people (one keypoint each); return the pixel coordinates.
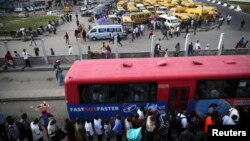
(143, 125)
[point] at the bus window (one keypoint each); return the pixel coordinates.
(136, 92)
(102, 30)
(93, 30)
(243, 88)
(222, 88)
(111, 29)
(118, 30)
(123, 93)
(93, 93)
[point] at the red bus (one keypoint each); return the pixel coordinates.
(110, 86)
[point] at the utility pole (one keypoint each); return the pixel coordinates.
(44, 52)
(220, 44)
(186, 44)
(152, 46)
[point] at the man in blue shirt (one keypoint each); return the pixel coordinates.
(117, 129)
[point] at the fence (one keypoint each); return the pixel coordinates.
(69, 59)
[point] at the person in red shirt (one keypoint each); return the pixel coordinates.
(9, 59)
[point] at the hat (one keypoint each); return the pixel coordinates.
(42, 107)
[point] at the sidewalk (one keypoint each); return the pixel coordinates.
(35, 68)
(33, 84)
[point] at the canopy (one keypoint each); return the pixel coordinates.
(102, 21)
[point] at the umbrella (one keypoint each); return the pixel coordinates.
(102, 20)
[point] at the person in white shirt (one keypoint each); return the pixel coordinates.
(26, 56)
(140, 112)
(150, 127)
(183, 122)
(234, 111)
(70, 50)
(107, 129)
(227, 120)
(197, 45)
(229, 18)
(37, 132)
(98, 127)
(142, 29)
(89, 129)
(128, 124)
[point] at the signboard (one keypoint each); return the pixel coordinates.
(111, 110)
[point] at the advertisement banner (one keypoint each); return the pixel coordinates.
(111, 110)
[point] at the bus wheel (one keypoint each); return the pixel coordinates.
(94, 38)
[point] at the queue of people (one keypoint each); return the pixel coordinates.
(143, 125)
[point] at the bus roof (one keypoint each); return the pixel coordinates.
(147, 70)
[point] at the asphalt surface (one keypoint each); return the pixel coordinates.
(236, 16)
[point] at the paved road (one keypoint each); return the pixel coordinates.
(29, 85)
(236, 16)
(231, 37)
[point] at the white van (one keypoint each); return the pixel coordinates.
(169, 21)
(103, 31)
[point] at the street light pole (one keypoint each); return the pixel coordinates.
(44, 52)
(152, 46)
(186, 44)
(79, 48)
(116, 47)
(220, 44)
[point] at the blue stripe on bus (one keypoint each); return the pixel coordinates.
(110, 110)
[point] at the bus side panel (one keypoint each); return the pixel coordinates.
(109, 110)
(71, 92)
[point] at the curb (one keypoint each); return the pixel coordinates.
(32, 99)
(32, 69)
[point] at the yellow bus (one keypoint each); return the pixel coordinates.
(189, 4)
(133, 9)
(179, 9)
(67, 8)
(183, 18)
(127, 23)
(140, 17)
(201, 13)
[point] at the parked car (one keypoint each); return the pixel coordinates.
(23, 14)
(85, 13)
(53, 13)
